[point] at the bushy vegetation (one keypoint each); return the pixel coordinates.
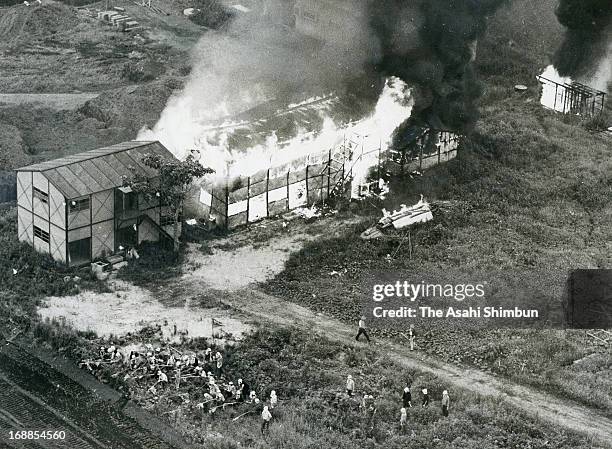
(27, 276)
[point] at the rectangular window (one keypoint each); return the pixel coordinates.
(42, 196)
(43, 235)
(79, 205)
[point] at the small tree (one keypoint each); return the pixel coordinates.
(171, 186)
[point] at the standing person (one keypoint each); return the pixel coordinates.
(266, 417)
(350, 385)
(411, 336)
(362, 330)
(403, 419)
(407, 397)
(273, 399)
(219, 359)
(445, 403)
(425, 397)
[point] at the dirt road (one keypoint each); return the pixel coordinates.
(59, 102)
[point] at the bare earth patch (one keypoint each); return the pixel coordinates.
(129, 309)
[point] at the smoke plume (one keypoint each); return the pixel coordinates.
(587, 49)
(438, 57)
(260, 64)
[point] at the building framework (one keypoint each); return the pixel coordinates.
(316, 178)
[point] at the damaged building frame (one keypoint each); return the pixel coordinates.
(78, 210)
(573, 98)
(316, 178)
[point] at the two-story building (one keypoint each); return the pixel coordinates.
(77, 209)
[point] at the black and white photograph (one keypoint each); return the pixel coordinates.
(305, 224)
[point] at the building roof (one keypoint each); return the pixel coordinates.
(101, 169)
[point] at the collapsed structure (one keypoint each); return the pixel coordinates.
(316, 178)
(77, 209)
(571, 97)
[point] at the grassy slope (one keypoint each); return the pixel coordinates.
(531, 192)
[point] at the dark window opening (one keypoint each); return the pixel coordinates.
(126, 200)
(79, 205)
(127, 236)
(79, 251)
(42, 196)
(43, 235)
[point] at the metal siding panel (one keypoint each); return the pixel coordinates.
(64, 186)
(118, 166)
(108, 171)
(79, 234)
(103, 239)
(76, 184)
(130, 165)
(91, 184)
(57, 204)
(24, 189)
(137, 156)
(103, 206)
(100, 177)
(25, 232)
(58, 243)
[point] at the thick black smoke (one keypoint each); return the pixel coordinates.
(437, 57)
(588, 25)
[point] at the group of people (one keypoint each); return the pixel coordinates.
(367, 403)
(165, 364)
(407, 403)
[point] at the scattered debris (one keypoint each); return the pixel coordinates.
(400, 219)
(520, 88)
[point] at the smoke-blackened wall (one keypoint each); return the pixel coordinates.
(438, 58)
(588, 36)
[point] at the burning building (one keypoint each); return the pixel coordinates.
(561, 94)
(578, 80)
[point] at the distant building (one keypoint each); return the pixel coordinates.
(77, 210)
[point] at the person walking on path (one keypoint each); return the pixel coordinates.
(411, 336)
(425, 398)
(362, 330)
(266, 417)
(350, 385)
(403, 419)
(445, 403)
(407, 397)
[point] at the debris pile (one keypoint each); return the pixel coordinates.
(156, 373)
(399, 219)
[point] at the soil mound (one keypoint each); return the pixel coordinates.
(21, 24)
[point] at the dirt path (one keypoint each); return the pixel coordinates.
(59, 102)
(231, 274)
